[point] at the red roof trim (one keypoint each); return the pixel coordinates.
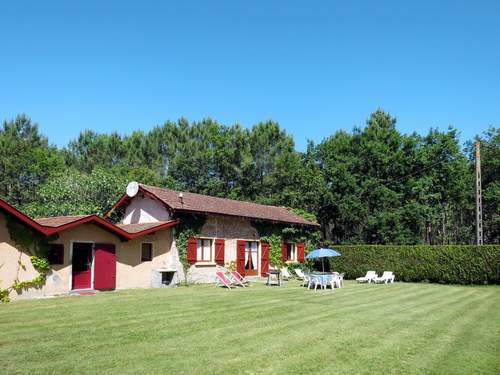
(11, 210)
(169, 224)
(90, 219)
(124, 198)
(94, 219)
(121, 201)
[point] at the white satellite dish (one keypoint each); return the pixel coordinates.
(132, 189)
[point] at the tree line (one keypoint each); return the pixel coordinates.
(370, 185)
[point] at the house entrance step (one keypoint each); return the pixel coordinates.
(83, 292)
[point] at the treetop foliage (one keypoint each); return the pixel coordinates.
(372, 185)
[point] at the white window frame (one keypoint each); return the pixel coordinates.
(152, 252)
(294, 252)
(211, 251)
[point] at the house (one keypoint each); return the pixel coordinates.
(141, 249)
(228, 234)
(85, 252)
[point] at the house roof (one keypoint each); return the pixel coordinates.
(57, 221)
(51, 225)
(147, 227)
(198, 203)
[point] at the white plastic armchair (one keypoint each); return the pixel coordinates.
(315, 281)
(334, 282)
(341, 280)
(306, 280)
(368, 278)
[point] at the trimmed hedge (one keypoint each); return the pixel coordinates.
(455, 264)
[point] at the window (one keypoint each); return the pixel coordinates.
(290, 251)
(203, 250)
(55, 254)
(146, 252)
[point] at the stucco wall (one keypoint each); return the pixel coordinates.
(145, 210)
(14, 264)
(130, 271)
(231, 229)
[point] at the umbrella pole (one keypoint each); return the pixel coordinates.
(323, 264)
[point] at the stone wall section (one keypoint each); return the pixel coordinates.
(231, 229)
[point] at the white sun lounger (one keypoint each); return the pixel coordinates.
(368, 278)
(285, 274)
(305, 278)
(299, 272)
(387, 277)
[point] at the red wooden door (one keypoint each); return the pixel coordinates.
(104, 266)
(81, 265)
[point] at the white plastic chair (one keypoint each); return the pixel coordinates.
(368, 278)
(315, 281)
(341, 280)
(306, 280)
(335, 281)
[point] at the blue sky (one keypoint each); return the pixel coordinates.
(313, 66)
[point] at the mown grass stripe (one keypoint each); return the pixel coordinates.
(359, 329)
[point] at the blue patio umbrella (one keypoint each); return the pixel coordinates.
(322, 253)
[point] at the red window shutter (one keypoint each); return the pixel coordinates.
(264, 258)
(240, 256)
(300, 252)
(283, 251)
(191, 255)
(219, 251)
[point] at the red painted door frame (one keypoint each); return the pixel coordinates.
(81, 265)
(104, 266)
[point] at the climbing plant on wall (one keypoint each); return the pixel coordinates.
(37, 246)
(274, 234)
(190, 226)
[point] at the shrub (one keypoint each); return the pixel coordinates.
(455, 264)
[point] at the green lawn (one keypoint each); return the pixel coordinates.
(362, 329)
